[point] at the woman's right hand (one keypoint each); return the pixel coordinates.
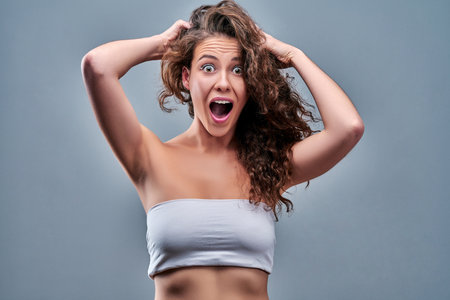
(172, 33)
(282, 51)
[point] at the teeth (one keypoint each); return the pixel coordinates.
(222, 102)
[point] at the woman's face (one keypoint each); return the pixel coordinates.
(216, 84)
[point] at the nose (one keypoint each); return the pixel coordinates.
(222, 83)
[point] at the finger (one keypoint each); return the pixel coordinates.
(182, 23)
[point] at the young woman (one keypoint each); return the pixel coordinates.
(212, 193)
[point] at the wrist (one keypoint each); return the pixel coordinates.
(163, 42)
(295, 52)
(157, 46)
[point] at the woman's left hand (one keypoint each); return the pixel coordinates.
(282, 51)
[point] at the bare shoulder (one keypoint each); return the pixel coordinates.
(146, 153)
(150, 138)
(156, 153)
(159, 163)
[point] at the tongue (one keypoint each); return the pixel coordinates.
(219, 110)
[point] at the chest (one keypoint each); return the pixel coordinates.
(187, 175)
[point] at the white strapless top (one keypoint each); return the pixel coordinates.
(210, 232)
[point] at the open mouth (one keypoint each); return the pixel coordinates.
(220, 109)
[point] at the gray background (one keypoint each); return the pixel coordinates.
(374, 227)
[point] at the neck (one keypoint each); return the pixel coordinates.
(202, 140)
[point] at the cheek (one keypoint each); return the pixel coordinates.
(199, 90)
(242, 88)
(201, 86)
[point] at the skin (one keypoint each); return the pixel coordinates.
(200, 163)
(215, 72)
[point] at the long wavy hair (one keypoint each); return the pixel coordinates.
(275, 116)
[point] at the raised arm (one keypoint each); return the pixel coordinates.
(102, 68)
(343, 126)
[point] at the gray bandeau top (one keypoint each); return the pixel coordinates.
(210, 232)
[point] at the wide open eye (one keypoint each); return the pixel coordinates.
(208, 68)
(237, 70)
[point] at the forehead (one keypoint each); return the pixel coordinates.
(218, 45)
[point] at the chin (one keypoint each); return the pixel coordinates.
(219, 132)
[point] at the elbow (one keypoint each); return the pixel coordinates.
(87, 65)
(355, 130)
(91, 65)
(349, 131)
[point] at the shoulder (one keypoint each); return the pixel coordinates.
(148, 151)
(155, 152)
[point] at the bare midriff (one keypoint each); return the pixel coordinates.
(211, 283)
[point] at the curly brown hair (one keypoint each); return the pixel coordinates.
(275, 116)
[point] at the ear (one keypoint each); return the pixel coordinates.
(185, 77)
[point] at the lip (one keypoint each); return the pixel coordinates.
(221, 98)
(220, 120)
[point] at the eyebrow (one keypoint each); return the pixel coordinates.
(215, 58)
